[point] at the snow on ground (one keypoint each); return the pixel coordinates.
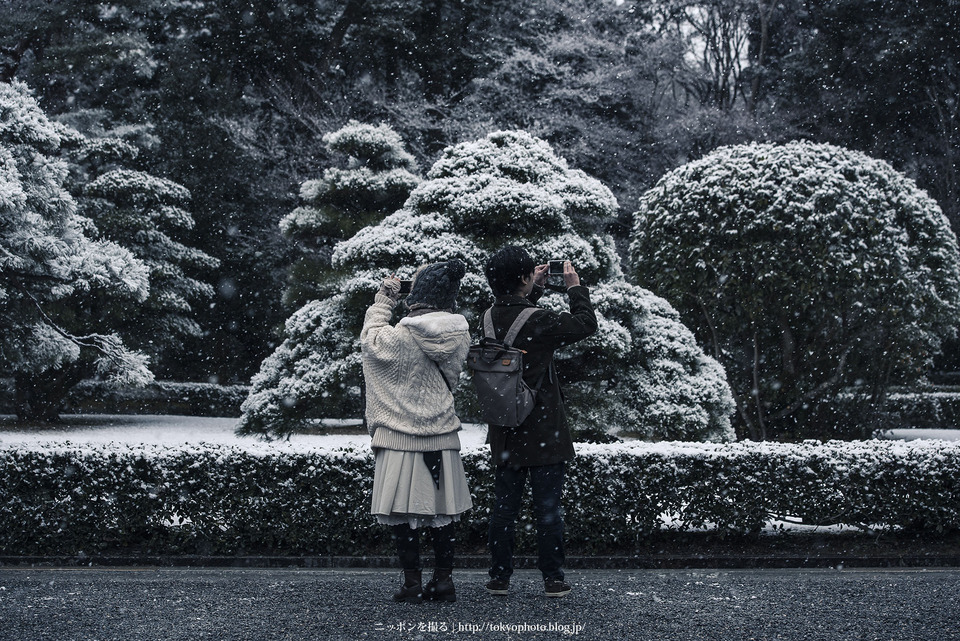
(100, 429)
(913, 434)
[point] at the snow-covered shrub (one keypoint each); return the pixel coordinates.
(644, 374)
(807, 268)
(280, 499)
(312, 373)
(641, 373)
(377, 147)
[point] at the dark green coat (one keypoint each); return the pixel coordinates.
(544, 438)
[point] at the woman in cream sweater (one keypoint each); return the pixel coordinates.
(410, 370)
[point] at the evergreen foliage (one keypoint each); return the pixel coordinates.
(642, 372)
(239, 95)
(148, 215)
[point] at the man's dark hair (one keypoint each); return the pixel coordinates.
(506, 268)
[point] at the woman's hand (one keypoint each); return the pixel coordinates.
(390, 287)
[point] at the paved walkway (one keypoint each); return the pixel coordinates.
(144, 604)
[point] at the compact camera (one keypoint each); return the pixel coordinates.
(555, 267)
(405, 286)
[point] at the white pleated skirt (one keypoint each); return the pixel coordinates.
(404, 490)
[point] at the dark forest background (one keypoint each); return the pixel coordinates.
(231, 99)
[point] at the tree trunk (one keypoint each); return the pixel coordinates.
(752, 431)
(765, 14)
(351, 15)
(41, 397)
(758, 397)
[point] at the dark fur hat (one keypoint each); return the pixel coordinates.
(437, 285)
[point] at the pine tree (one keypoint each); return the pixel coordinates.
(376, 180)
(149, 216)
(641, 373)
(47, 257)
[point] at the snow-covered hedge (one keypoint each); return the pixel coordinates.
(275, 498)
(160, 397)
(930, 409)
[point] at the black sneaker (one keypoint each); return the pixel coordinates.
(556, 588)
(500, 587)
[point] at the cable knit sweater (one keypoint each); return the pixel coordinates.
(409, 406)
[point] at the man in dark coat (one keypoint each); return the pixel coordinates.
(540, 446)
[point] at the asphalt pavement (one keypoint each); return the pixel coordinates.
(164, 603)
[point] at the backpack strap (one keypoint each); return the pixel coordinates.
(490, 332)
(517, 325)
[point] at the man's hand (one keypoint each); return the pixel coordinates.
(570, 276)
(540, 275)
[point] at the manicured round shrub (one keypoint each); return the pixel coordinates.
(809, 270)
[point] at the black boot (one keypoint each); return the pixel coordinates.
(412, 589)
(440, 587)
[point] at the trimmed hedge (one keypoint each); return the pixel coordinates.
(939, 408)
(67, 500)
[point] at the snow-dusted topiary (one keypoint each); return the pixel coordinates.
(807, 267)
(376, 180)
(642, 372)
(46, 256)
(311, 374)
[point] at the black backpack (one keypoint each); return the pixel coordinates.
(497, 371)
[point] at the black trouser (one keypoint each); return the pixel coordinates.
(408, 546)
(547, 486)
